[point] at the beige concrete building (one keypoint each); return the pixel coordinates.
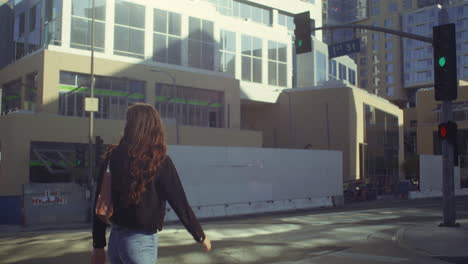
(423, 120)
(427, 118)
(366, 128)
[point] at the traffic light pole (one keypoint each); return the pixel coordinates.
(449, 213)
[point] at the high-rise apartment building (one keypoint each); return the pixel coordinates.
(418, 56)
(337, 12)
(380, 59)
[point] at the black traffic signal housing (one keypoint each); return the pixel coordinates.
(80, 157)
(448, 131)
(303, 32)
(100, 149)
(445, 62)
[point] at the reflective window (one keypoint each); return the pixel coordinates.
(11, 96)
(321, 66)
(167, 41)
(228, 52)
(390, 79)
(34, 39)
(190, 106)
(352, 76)
(342, 71)
(277, 66)
(129, 30)
(286, 21)
(114, 94)
(201, 43)
(389, 56)
(251, 59)
(332, 69)
(251, 12)
(390, 91)
(389, 68)
(388, 44)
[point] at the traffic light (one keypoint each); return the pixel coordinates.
(448, 131)
(303, 32)
(80, 157)
(99, 147)
(445, 62)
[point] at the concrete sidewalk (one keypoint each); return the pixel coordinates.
(446, 243)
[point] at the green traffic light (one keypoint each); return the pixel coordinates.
(442, 61)
(299, 43)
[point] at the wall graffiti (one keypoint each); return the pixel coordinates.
(50, 198)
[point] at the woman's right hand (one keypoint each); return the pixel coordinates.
(207, 244)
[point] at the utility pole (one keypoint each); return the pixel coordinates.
(91, 120)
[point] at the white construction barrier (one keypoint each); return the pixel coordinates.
(227, 181)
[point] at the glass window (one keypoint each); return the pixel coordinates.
(251, 59)
(390, 91)
(201, 43)
(363, 61)
(352, 76)
(80, 35)
(390, 79)
(375, 46)
(277, 63)
(228, 52)
(114, 95)
(364, 84)
(375, 10)
(129, 33)
(388, 44)
(408, 4)
(389, 56)
(388, 22)
(389, 67)
(22, 22)
(321, 66)
(252, 12)
(32, 18)
(375, 36)
(332, 69)
(342, 71)
(392, 7)
(167, 43)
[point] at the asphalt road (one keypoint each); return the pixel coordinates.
(357, 233)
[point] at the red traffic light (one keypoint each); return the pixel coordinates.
(443, 131)
(448, 131)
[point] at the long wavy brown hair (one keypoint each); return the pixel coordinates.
(144, 137)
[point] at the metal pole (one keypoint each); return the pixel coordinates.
(449, 214)
(91, 119)
(294, 61)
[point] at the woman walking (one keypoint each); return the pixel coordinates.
(143, 178)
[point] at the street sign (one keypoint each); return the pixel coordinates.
(344, 48)
(91, 104)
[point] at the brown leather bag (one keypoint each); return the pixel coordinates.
(104, 207)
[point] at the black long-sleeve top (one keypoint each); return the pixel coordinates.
(148, 216)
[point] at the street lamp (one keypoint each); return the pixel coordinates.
(173, 88)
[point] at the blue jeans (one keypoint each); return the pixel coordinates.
(132, 247)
